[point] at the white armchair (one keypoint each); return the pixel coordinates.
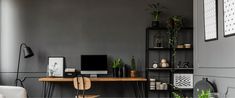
(12, 92)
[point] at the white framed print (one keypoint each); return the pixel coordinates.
(183, 81)
(210, 20)
(229, 17)
(56, 66)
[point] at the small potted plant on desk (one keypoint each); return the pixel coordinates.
(133, 71)
(117, 67)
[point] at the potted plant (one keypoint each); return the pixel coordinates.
(176, 95)
(155, 12)
(133, 67)
(174, 24)
(116, 67)
(177, 92)
(205, 94)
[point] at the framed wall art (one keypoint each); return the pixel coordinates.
(210, 20)
(184, 81)
(229, 17)
(56, 66)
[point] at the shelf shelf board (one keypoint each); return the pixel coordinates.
(158, 48)
(160, 90)
(170, 69)
(152, 49)
(165, 28)
(160, 69)
(184, 48)
(183, 68)
(184, 89)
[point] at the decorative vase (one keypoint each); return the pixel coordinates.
(133, 73)
(155, 23)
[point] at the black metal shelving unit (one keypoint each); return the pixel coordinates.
(170, 71)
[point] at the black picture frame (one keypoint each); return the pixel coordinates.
(226, 35)
(216, 20)
(61, 66)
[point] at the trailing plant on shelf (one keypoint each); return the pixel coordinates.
(174, 24)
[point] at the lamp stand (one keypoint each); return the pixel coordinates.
(18, 68)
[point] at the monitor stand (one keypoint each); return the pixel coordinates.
(93, 75)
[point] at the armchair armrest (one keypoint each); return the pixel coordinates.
(12, 92)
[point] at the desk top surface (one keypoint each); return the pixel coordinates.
(99, 79)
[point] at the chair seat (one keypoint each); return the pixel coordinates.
(87, 96)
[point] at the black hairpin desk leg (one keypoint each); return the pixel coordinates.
(48, 89)
(139, 90)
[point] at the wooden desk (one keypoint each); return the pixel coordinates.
(101, 79)
(49, 84)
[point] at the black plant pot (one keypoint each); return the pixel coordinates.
(120, 72)
(124, 71)
(155, 24)
(115, 72)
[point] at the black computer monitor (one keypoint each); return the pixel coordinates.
(94, 64)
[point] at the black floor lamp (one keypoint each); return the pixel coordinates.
(27, 54)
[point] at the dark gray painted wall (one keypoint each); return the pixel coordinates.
(214, 59)
(73, 27)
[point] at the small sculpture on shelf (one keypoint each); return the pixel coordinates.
(187, 46)
(155, 65)
(179, 64)
(161, 86)
(157, 41)
(184, 46)
(182, 65)
(164, 64)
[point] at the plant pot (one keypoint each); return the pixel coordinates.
(124, 71)
(133, 73)
(120, 72)
(115, 72)
(155, 24)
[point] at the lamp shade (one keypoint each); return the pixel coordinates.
(27, 52)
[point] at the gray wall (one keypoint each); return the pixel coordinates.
(73, 27)
(214, 59)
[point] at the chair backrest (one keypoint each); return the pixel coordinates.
(82, 83)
